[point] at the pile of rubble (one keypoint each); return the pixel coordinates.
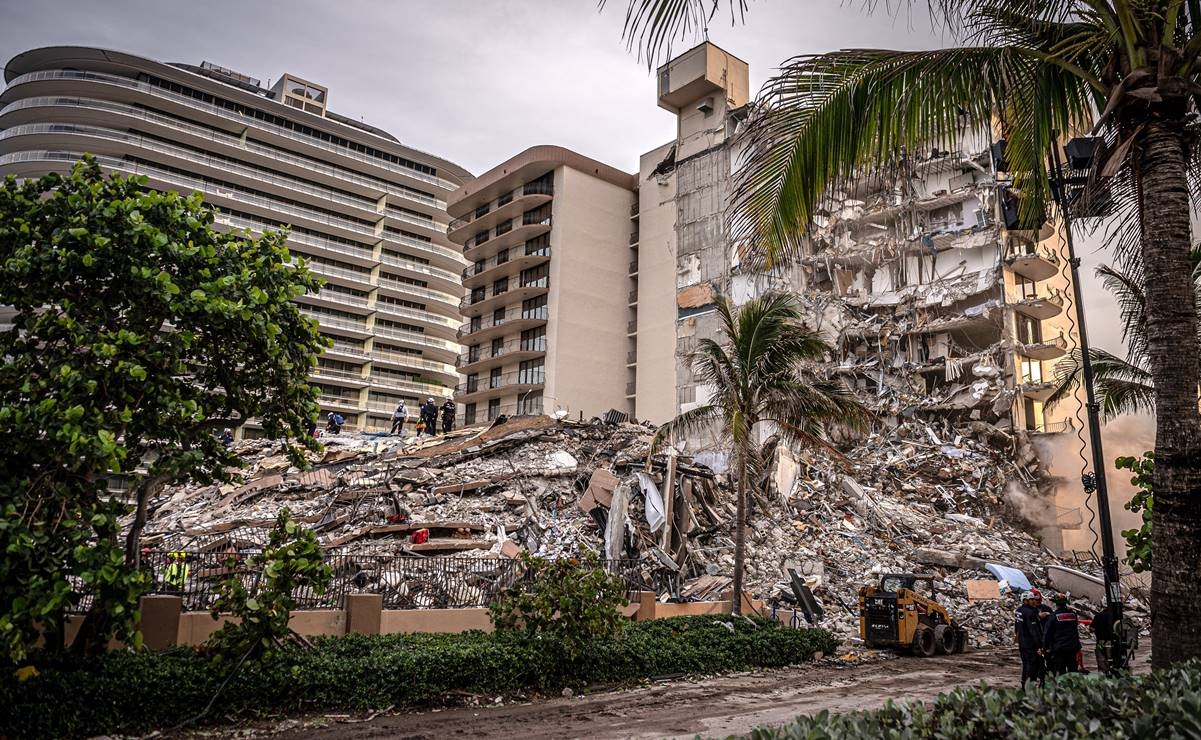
(914, 499)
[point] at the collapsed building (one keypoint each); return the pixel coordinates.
(437, 523)
(939, 308)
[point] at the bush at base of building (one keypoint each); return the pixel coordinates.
(126, 692)
(1165, 704)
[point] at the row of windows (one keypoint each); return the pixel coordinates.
(287, 123)
(316, 163)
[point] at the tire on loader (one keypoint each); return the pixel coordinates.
(923, 642)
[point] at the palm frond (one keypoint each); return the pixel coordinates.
(686, 424)
(651, 26)
(1121, 386)
(828, 122)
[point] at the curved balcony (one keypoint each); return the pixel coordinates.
(226, 168)
(490, 299)
(339, 403)
(346, 350)
(1035, 265)
(406, 361)
(240, 121)
(520, 202)
(417, 340)
(344, 378)
(514, 319)
(338, 324)
(345, 276)
(408, 290)
(445, 326)
(359, 254)
(475, 276)
(1040, 307)
(383, 381)
(90, 109)
(446, 256)
(447, 279)
(519, 234)
(514, 350)
(1049, 350)
(1037, 390)
(397, 217)
(214, 194)
(337, 300)
(517, 381)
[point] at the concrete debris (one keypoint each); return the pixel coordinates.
(898, 502)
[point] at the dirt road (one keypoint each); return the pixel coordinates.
(716, 706)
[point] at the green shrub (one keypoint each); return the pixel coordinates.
(572, 599)
(130, 692)
(291, 560)
(1164, 704)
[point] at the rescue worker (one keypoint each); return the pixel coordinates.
(1103, 628)
(1061, 640)
(429, 414)
(1030, 638)
(176, 573)
(448, 416)
(399, 416)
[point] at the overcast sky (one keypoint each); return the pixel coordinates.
(474, 81)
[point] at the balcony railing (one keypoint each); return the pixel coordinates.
(402, 358)
(415, 337)
(238, 118)
(631, 357)
(230, 140)
(633, 270)
(634, 237)
(327, 372)
(515, 313)
(344, 272)
(503, 350)
(297, 237)
(337, 322)
(504, 380)
(413, 266)
(632, 298)
(346, 348)
(417, 290)
(415, 314)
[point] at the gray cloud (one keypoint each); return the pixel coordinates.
(475, 81)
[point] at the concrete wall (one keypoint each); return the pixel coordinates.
(656, 376)
(589, 294)
(163, 625)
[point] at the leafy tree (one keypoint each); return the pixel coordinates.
(1138, 541)
(574, 599)
(291, 561)
(138, 333)
(757, 374)
(1128, 70)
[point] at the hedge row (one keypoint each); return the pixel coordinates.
(1165, 704)
(135, 692)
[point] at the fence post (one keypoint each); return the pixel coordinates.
(159, 624)
(647, 600)
(364, 613)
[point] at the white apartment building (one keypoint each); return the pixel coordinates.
(368, 212)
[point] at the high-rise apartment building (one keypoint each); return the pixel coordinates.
(548, 307)
(368, 212)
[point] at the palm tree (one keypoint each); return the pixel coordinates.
(1123, 385)
(758, 375)
(1128, 70)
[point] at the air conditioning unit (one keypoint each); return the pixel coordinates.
(705, 106)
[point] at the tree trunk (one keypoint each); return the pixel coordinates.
(1173, 349)
(147, 490)
(739, 535)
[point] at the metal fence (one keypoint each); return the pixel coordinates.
(404, 581)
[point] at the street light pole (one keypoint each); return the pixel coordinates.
(1093, 481)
